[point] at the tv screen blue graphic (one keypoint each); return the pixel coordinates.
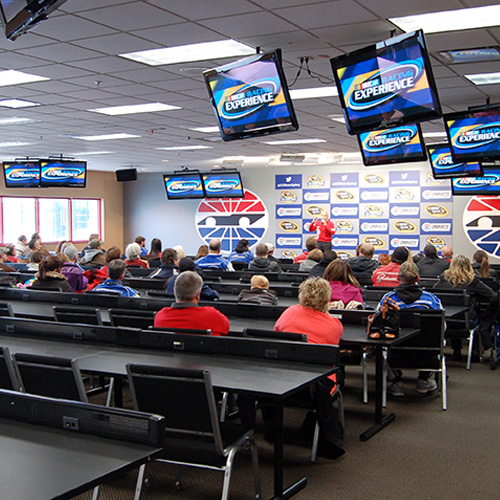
(488, 184)
(63, 173)
(223, 185)
(443, 166)
(183, 186)
(21, 174)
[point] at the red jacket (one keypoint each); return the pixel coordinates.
(326, 230)
(386, 275)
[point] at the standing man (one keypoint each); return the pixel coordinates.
(326, 231)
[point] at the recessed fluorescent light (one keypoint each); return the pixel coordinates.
(12, 77)
(15, 120)
(206, 130)
(151, 107)
(106, 137)
(190, 53)
(293, 141)
(89, 153)
(184, 148)
(450, 20)
(337, 118)
(484, 78)
(17, 103)
(314, 93)
(434, 134)
(14, 143)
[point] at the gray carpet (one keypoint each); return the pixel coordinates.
(424, 454)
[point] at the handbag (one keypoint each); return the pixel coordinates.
(384, 324)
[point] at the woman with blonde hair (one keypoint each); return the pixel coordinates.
(481, 265)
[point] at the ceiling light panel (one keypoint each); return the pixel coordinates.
(313, 93)
(105, 137)
(152, 107)
(293, 141)
(17, 103)
(484, 78)
(13, 77)
(184, 148)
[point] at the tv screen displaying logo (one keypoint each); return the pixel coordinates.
(443, 166)
(24, 174)
(250, 97)
(183, 186)
(474, 135)
(487, 184)
(63, 173)
(394, 145)
(223, 185)
(387, 84)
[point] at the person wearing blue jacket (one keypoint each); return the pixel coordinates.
(241, 252)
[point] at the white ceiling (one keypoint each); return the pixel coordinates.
(77, 49)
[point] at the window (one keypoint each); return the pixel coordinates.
(55, 219)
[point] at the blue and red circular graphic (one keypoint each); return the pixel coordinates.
(230, 220)
(482, 223)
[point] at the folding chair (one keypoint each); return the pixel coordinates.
(8, 377)
(132, 318)
(86, 315)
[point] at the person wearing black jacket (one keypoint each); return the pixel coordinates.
(363, 266)
(169, 265)
(431, 266)
(261, 262)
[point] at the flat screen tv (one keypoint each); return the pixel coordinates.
(443, 166)
(183, 186)
(392, 145)
(223, 185)
(19, 16)
(474, 135)
(21, 174)
(250, 97)
(487, 184)
(63, 173)
(388, 84)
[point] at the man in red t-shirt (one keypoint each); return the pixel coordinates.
(185, 311)
(326, 231)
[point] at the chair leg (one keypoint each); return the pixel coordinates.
(223, 408)
(255, 467)
(443, 383)
(110, 391)
(340, 403)
(364, 365)
(95, 493)
(314, 452)
(384, 379)
(227, 474)
(140, 479)
(469, 351)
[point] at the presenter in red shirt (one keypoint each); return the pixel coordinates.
(326, 231)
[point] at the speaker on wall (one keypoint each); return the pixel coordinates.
(127, 174)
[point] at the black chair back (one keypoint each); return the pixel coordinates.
(272, 334)
(8, 378)
(180, 330)
(132, 318)
(239, 266)
(6, 309)
(86, 315)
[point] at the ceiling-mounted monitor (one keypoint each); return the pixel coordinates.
(474, 135)
(443, 166)
(183, 186)
(250, 97)
(388, 84)
(63, 173)
(393, 145)
(487, 184)
(223, 185)
(21, 174)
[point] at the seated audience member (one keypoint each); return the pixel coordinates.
(447, 253)
(169, 265)
(241, 252)
(116, 271)
(202, 252)
(93, 236)
(11, 254)
(259, 292)
(34, 246)
(181, 253)
(313, 257)
(431, 266)
(389, 275)
(187, 264)
(133, 254)
(383, 259)
(344, 286)
(49, 276)
(363, 265)
(3, 258)
(96, 276)
(94, 256)
(154, 255)
(61, 246)
(213, 260)
(72, 271)
(311, 244)
(481, 265)
(270, 251)
(261, 262)
(319, 268)
(408, 295)
(41, 247)
(461, 275)
(141, 241)
(22, 249)
(186, 312)
(35, 259)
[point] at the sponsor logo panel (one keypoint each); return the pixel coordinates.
(344, 180)
(372, 226)
(317, 195)
(398, 210)
(285, 211)
(288, 181)
(400, 178)
(345, 211)
(439, 227)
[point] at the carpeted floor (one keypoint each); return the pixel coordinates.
(424, 454)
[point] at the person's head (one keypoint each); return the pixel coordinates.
(187, 287)
(261, 250)
(259, 282)
(113, 253)
(11, 250)
(315, 293)
(181, 253)
(481, 257)
(340, 270)
(214, 246)
(329, 256)
(60, 246)
(34, 245)
(36, 257)
(400, 255)
(93, 236)
(36, 236)
(408, 273)
(311, 243)
(202, 251)
(430, 251)
(186, 264)
(71, 252)
(140, 240)
(446, 252)
(383, 259)
(23, 239)
(169, 257)
(315, 255)
(3, 254)
(95, 244)
(155, 247)
(367, 250)
(62, 257)
(242, 246)
(270, 248)
(324, 215)
(116, 269)
(460, 271)
(51, 264)
(133, 251)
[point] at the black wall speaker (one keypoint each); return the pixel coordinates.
(128, 174)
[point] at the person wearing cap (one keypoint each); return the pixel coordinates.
(94, 256)
(3, 258)
(93, 236)
(270, 251)
(259, 292)
(389, 275)
(72, 271)
(241, 252)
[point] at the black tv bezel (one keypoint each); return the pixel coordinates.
(422, 157)
(477, 193)
(187, 175)
(64, 161)
(211, 196)
(376, 121)
(20, 162)
(275, 56)
(448, 176)
(460, 115)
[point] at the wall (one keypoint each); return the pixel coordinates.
(101, 185)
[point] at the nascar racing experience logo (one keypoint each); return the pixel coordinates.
(478, 136)
(22, 174)
(386, 140)
(183, 186)
(222, 186)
